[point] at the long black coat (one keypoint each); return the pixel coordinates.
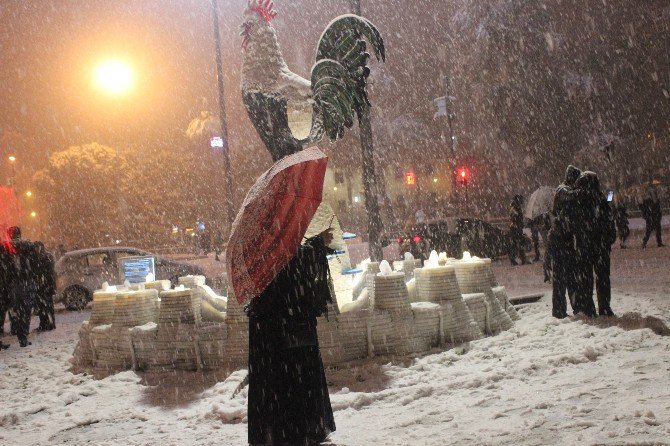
(25, 282)
(7, 274)
(46, 275)
(288, 396)
(605, 225)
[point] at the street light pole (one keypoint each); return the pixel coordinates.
(12, 160)
(374, 222)
(228, 181)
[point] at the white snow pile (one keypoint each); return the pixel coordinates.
(542, 382)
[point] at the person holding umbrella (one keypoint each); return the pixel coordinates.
(284, 280)
(288, 394)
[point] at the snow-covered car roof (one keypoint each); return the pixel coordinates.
(87, 251)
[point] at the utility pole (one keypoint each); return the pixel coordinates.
(450, 123)
(450, 115)
(228, 180)
(374, 221)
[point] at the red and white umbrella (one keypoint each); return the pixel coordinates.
(272, 222)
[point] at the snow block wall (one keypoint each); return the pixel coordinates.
(151, 330)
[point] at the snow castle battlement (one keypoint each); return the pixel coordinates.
(161, 329)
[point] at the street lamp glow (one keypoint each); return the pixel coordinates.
(114, 76)
(12, 158)
(33, 214)
(29, 194)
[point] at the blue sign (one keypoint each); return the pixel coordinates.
(136, 269)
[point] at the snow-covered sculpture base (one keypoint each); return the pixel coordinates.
(168, 330)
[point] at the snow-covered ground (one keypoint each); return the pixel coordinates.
(543, 382)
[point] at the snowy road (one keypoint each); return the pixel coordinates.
(543, 382)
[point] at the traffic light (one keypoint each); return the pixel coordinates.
(463, 175)
(410, 179)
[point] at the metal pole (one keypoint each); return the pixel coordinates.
(447, 104)
(228, 181)
(449, 116)
(467, 207)
(374, 222)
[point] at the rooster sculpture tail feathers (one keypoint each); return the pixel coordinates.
(339, 77)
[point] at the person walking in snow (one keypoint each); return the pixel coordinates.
(516, 238)
(46, 288)
(652, 214)
(561, 250)
(621, 221)
(24, 286)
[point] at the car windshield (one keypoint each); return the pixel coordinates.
(99, 259)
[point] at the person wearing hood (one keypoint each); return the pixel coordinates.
(516, 239)
(561, 250)
(587, 239)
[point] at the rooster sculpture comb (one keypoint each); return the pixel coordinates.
(265, 8)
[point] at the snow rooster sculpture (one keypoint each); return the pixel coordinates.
(290, 112)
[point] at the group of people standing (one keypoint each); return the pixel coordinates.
(27, 283)
(580, 243)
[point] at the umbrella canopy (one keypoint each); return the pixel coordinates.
(272, 222)
(539, 202)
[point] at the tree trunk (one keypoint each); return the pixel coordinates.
(370, 187)
(369, 182)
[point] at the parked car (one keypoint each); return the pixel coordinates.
(455, 235)
(79, 273)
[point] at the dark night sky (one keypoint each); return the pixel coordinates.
(49, 48)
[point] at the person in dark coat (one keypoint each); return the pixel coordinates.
(516, 238)
(587, 240)
(288, 401)
(652, 214)
(621, 221)
(561, 249)
(24, 285)
(46, 288)
(539, 226)
(6, 275)
(605, 235)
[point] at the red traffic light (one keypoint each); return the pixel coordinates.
(410, 178)
(463, 174)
